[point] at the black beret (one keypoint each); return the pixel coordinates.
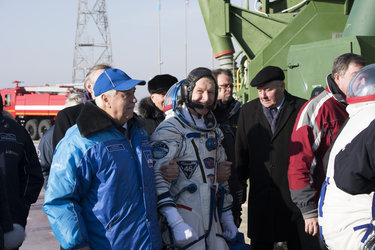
(161, 83)
(267, 74)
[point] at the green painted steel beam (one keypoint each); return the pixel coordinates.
(361, 21)
(303, 41)
(216, 24)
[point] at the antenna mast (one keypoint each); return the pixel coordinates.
(93, 40)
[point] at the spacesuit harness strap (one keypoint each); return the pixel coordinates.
(212, 215)
(199, 161)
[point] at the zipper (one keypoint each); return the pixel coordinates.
(113, 221)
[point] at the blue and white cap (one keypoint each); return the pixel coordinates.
(115, 79)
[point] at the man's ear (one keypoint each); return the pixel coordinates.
(152, 97)
(336, 77)
(88, 86)
(105, 101)
(282, 86)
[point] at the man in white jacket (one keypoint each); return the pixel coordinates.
(189, 135)
(347, 201)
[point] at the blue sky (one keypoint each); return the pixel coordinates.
(37, 40)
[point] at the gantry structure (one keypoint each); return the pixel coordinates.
(93, 40)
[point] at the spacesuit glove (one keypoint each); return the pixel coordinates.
(229, 228)
(182, 232)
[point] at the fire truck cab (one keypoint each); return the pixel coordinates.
(35, 107)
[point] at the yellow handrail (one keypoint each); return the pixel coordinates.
(237, 78)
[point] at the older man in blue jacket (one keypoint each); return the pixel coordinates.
(101, 193)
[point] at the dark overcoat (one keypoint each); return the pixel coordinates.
(227, 117)
(22, 175)
(262, 157)
(66, 118)
(150, 114)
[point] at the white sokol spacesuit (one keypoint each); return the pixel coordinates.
(347, 202)
(190, 203)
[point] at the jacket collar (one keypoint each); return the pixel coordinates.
(93, 119)
(147, 109)
(335, 90)
(286, 111)
(224, 112)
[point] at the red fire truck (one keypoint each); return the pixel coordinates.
(35, 107)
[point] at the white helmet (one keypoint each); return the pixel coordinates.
(361, 87)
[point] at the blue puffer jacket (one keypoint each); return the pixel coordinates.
(101, 187)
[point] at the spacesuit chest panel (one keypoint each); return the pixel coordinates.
(201, 149)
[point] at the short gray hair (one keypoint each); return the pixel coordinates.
(74, 98)
(90, 75)
(98, 99)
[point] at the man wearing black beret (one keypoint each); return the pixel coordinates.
(151, 108)
(263, 136)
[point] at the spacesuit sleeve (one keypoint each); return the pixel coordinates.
(165, 143)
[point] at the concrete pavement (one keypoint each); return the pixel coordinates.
(39, 235)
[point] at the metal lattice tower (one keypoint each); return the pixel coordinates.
(93, 40)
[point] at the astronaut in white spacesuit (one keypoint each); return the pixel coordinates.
(347, 202)
(196, 207)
